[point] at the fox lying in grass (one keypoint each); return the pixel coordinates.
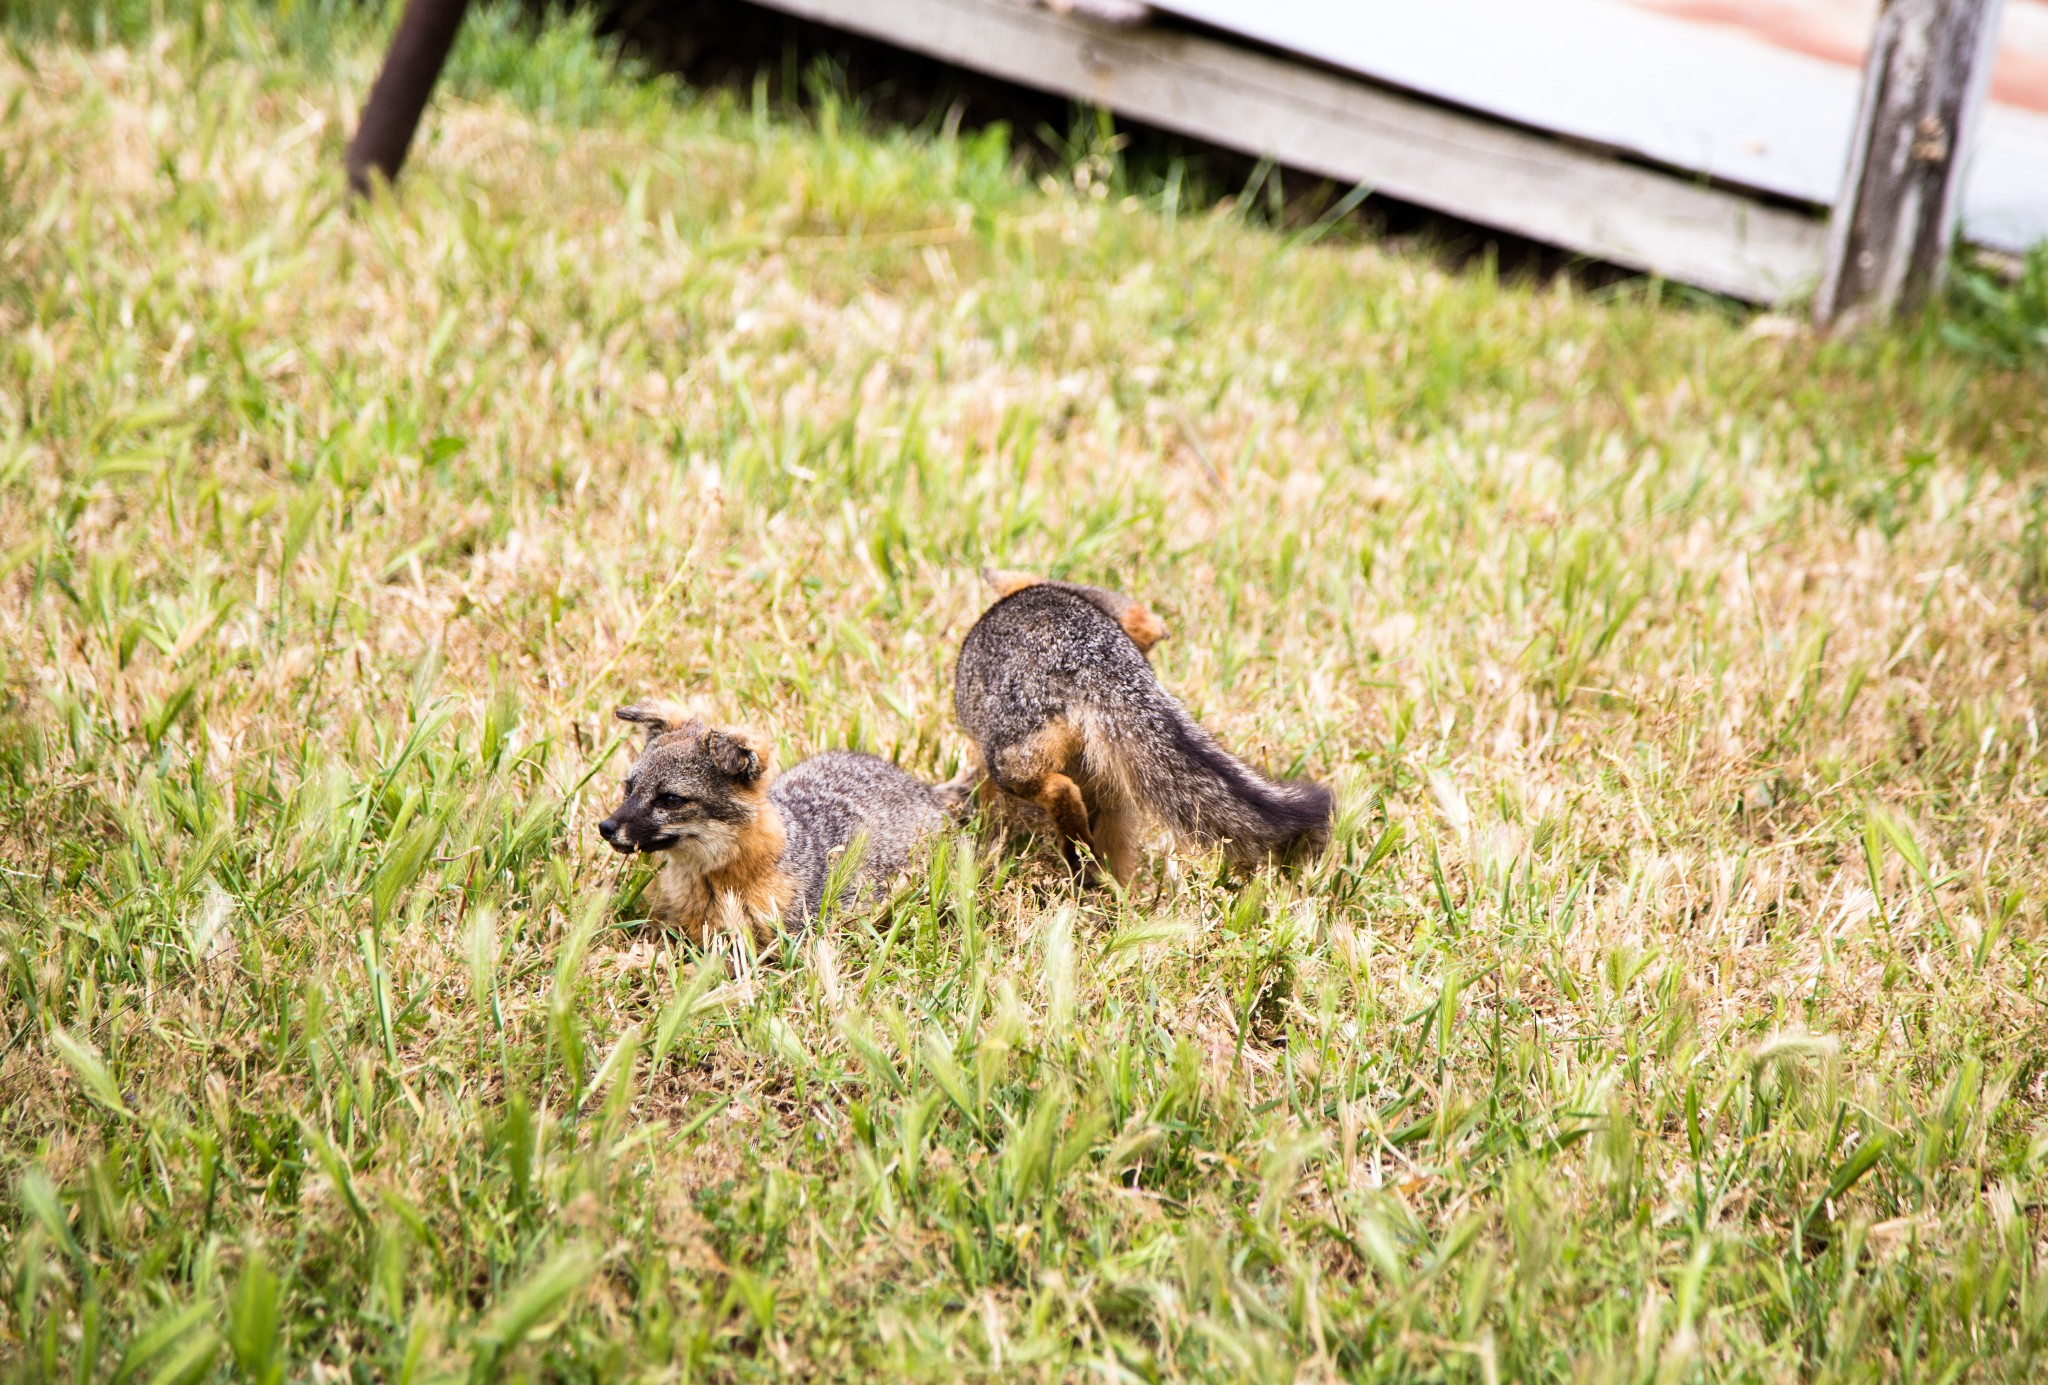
(742, 847)
(1054, 688)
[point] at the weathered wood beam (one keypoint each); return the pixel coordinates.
(426, 31)
(1355, 132)
(1924, 86)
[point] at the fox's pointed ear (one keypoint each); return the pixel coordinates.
(657, 717)
(1005, 581)
(738, 753)
(1144, 628)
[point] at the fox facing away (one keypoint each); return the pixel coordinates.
(1054, 688)
(742, 847)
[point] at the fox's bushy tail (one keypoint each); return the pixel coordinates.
(1151, 753)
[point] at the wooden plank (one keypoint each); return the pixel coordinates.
(1699, 97)
(1354, 132)
(1923, 90)
(1670, 83)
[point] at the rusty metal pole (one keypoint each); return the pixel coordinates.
(426, 31)
(1924, 85)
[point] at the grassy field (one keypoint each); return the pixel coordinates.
(1670, 1007)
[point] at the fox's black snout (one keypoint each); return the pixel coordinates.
(629, 831)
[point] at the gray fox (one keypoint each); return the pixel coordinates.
(1054, 688)
(742, 847)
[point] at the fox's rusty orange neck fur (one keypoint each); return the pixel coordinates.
(748, 890)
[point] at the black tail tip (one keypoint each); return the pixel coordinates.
(1302, 818)
(1317, 801)
(1323, 802)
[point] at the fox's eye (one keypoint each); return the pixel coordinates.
(670, 800)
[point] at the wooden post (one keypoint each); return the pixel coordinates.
(426, 31)
(1923, 88)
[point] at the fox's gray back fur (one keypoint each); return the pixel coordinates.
(830, 799)
(1047, 654)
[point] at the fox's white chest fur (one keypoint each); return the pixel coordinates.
(720, 879)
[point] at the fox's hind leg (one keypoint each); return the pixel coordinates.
(1117, 826)
(1038, 770)
(1061, 799)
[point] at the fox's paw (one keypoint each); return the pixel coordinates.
(956, 795)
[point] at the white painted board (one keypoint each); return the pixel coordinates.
(1698, 97)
